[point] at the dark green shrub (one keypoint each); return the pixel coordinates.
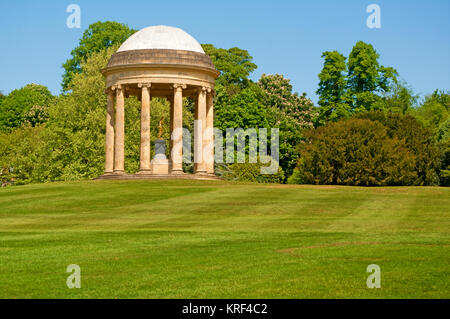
(251, 172)
(418, 140)
(354, 152)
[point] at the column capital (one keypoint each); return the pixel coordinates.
(109, 90)
(118, 88)
(204, 89)
(178, 86)
(144, 85)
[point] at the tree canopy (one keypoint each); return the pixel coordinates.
(434, 111)
(279, 94)
(98, 36)
(356, 84)
(373, 149)
(235, 65)
(26, 104)
(332, 87)
(270, 103)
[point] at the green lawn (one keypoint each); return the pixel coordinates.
(193, 239)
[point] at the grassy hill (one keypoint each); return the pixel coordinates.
(192, 239)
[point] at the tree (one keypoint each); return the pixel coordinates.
(434, 114)
(279, 94)
(73, 139)
(444, 173)
(361, 84)
(20, 155)
(354, 152)
(418, 139)
(444, 131)
(332, 88)
(434, 110)
(401, 99)
(28, 103)
(288, 111)
(366, 78)
(241, 110)
(270, 103)
(99, 36)
(235, 66)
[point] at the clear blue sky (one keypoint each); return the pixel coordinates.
(284, 37)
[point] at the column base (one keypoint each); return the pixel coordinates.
(144, 172)
(177, 172)
(116, 172)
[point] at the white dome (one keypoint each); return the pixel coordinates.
(161, 37)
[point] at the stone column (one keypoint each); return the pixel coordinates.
(170, 99)
(109, 136)
(144, 167)
(209, 152)
(119, 141)
(176, 153)
(199, 132)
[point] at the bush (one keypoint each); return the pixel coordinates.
(20, 155)
(251, 172)
(354, 152)
(418, 140)
(444, 174)
(295, 178)
(28, 104)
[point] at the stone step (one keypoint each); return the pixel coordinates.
(161, 176)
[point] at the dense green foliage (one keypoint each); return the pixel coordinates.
(288, 111)
(359, 85)
(279, 94)
(20, 155)
(356, 84)
(270, 103)
(99, 36)
(375, 149)
(251, 172)
(418, 140)
(434, 113)
(444, 174)
(332, 88)
(400, 99)
(355, 152)
(235, 65)
(366, 78)
(26, 105)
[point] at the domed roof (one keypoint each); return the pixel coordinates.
(161, 37)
